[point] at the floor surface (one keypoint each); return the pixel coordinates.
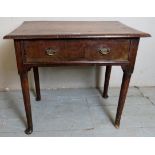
(79, 113)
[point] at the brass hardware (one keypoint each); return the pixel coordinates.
(50, 51)
(104, 51)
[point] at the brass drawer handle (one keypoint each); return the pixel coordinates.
(104, 51)
(50, 51)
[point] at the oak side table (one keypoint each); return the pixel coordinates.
(65, 43)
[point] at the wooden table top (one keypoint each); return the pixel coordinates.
(73, 29)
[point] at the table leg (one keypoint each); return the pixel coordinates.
(26, 97)
(122, 97)
(106, 82)
(37, 84)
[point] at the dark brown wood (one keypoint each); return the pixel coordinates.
(37, 83)
(128, 70)
(106, 82)
(23, 72)
(122, 97)
(73, 29)
(26, 97)
(35, 51)
(48, 44)
(119, 49)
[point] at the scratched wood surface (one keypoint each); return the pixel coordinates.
(73, 29)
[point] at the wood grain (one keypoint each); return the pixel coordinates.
(75, 43)
(75, 50)
(73, 29)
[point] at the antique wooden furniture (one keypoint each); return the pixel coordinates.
(47, 43)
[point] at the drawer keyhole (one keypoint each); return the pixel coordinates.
(50, 51)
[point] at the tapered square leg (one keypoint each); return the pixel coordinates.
(122, 97)
(26, 97)
(37, 84)
(106, 82)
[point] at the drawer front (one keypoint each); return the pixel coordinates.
(114, 50)
(45, 51)
(50, 51)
